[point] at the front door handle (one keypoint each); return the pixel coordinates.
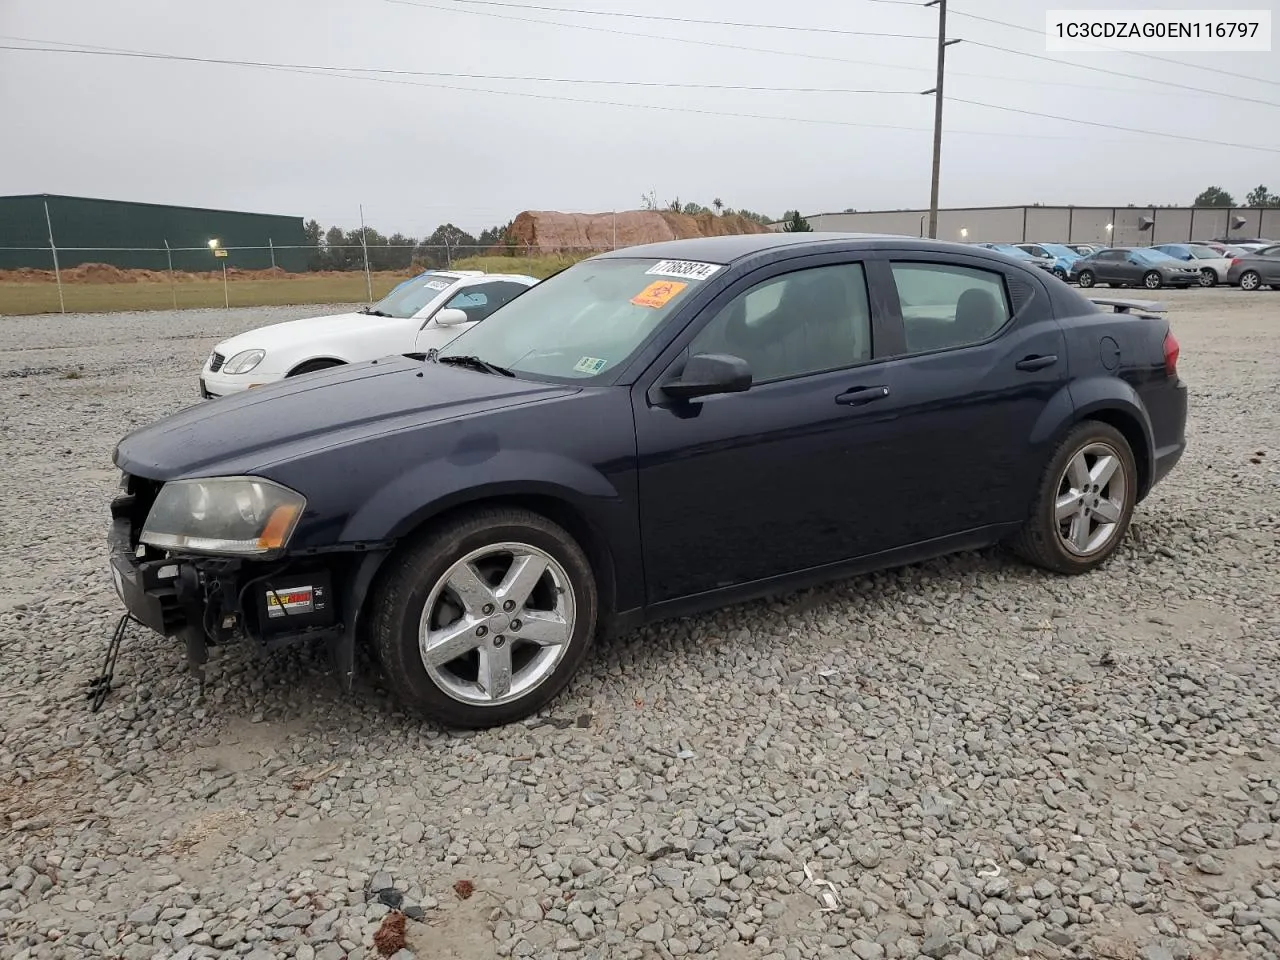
(1036, 362)
(857, 396)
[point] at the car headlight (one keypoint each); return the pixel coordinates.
(238, 516)
(244, 361)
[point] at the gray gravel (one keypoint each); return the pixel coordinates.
(970, 758)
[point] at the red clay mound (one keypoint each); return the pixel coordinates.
(540, 231)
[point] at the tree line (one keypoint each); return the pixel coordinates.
(338, 249)
(1259, 196)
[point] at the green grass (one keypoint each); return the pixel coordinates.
(19, 299)
(540, 267)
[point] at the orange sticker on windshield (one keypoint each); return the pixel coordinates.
(658, 294)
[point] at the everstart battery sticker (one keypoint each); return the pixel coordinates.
(283, 603)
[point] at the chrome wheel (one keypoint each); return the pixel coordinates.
(1086, 279)
(1249, 280)
(1208, 278)
(497, 624)
(1151, 281)
(1092, 496)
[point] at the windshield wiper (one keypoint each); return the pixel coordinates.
(374, 313)
(475, 363)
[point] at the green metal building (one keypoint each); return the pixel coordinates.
(133, 235)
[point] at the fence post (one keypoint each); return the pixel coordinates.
(364, 245)
(173, 286)
(57, 272)
(272, 246)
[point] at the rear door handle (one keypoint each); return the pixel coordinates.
(1036, 363)
(857, 396)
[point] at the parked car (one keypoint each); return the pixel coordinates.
(651, 432)
(1085, 249)
(421, 314)
(1253, 270)
(1228, 247)
(1213, 265)
(1134, 266)
(1009, 250)
(1059, 256)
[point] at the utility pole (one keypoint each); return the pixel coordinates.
(943, 43)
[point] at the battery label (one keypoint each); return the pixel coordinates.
(282, 603)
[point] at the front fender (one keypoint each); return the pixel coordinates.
(439, 484)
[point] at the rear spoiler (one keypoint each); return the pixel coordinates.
(1147, 308)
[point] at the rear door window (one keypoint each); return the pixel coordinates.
(946, 305)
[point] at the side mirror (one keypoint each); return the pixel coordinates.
(710, 373)
(451, 317)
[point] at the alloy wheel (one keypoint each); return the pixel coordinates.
(1249, 280)
(1151, 281)
(497, 624)
(1208, 278)
(1092, 496)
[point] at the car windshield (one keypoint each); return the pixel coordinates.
(1012, 251)
(1147, 255)
(412, 295)
(584, 322)
(1204, 253)
(1060, 250)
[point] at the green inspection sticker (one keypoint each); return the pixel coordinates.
(590, 365)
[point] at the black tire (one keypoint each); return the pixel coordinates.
(1060, 273)
(1251, 280)
(1208, 278)
(1039, 541)
(1152, 280)
(311, 366)
(404, 590)
(1086, 279)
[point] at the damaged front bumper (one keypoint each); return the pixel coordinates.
(212, 601)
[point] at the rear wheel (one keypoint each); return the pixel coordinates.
(1208, 278)
(1250, 280)
(1151, 280)
(1087, 279)
(1084, 502)
(311, 366)
(485, 620)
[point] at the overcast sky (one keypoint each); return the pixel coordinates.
(416, 154)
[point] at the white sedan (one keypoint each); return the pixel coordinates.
(419, 316)
(1212, 264)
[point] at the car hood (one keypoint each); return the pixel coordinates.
(248, 432)
(293, 332)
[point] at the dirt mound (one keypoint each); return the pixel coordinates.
(539, 231)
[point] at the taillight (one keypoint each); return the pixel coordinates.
(1234, 261)
(1171, 351)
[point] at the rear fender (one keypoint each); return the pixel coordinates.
(1114, 401)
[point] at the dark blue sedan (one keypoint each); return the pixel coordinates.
(651, 432)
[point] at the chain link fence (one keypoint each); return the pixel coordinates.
(103, 279)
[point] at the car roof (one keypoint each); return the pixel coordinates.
(729, 248)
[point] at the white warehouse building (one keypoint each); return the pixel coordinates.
(1117, 226)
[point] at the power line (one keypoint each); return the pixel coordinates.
(1135, 53)
(1234, 96)
(350, 73)
(692, 20)
(750, 88)
(525, 78)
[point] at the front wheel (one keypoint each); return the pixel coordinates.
(1084, 502)
(1208, 278)
(1087, 279)
(1151, 280)
(1060, 273)
(1250, 280)
(485, 619)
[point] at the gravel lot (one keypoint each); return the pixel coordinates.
(979, 759)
